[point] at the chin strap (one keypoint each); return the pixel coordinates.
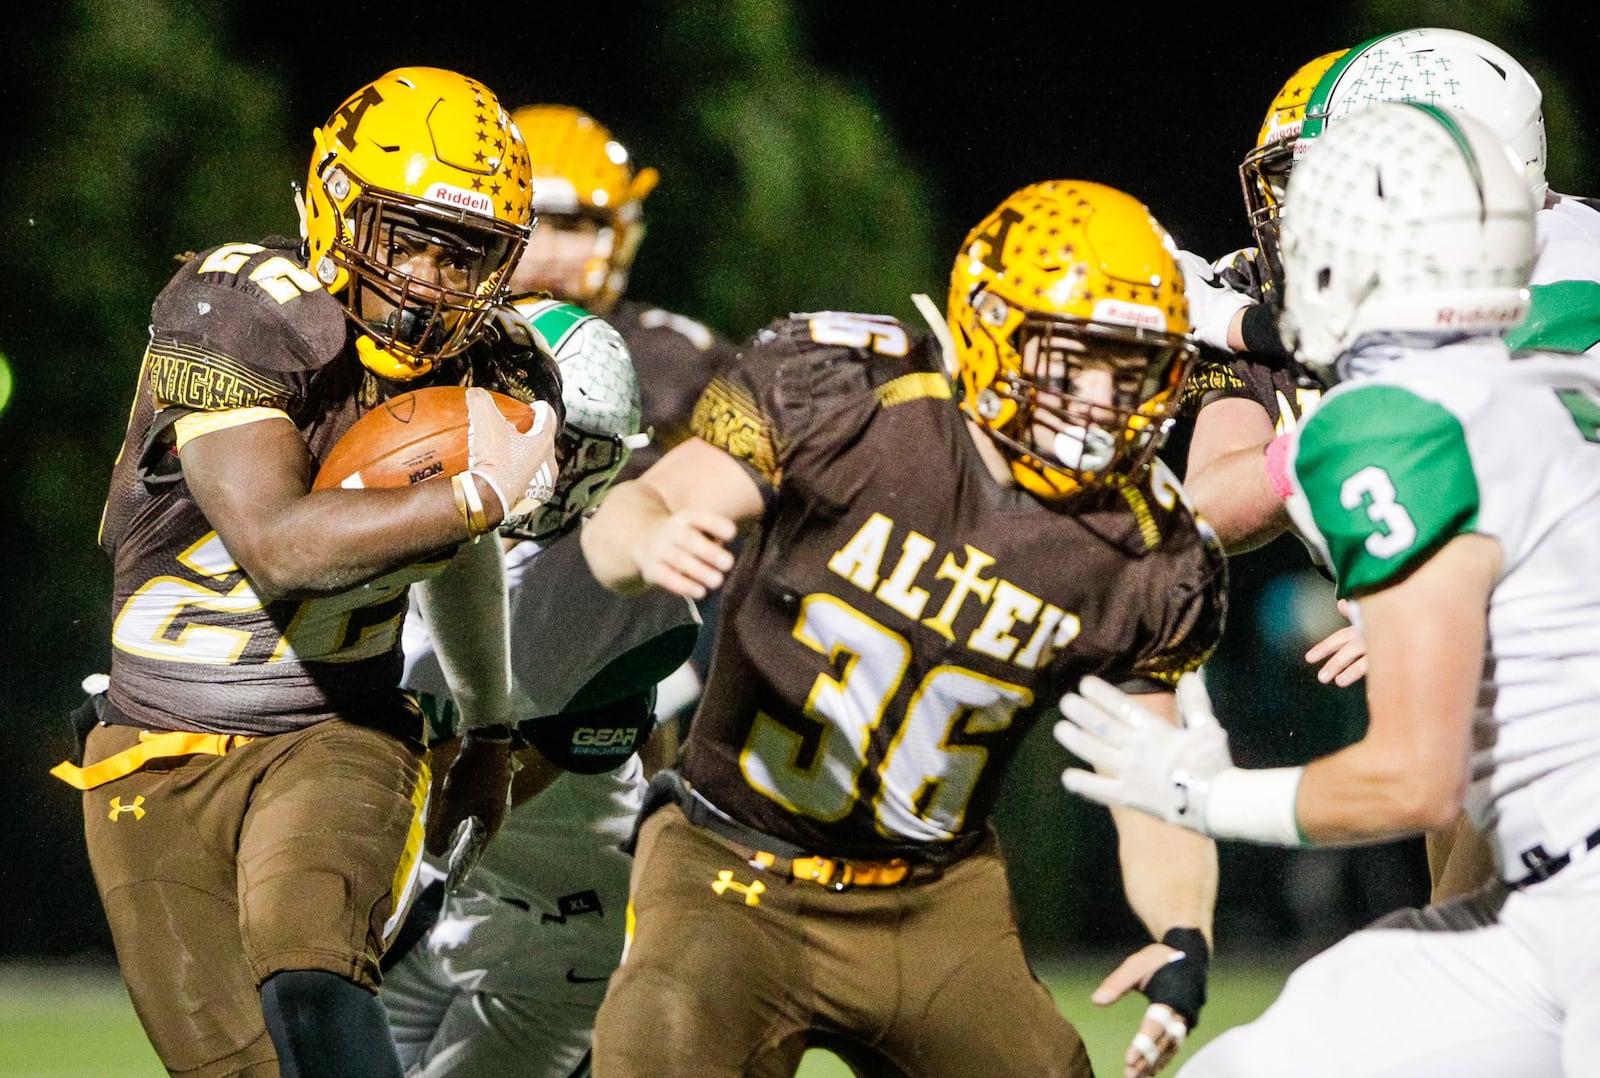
(386, 364)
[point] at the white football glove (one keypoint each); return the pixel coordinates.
(1141, 760)
(1212, 304)
(520, 467)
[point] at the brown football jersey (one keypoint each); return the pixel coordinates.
(675, 357)
(247, 326)
(1271, 383)
(902, 619)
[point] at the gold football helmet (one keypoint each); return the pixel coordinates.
(1264, 173)
(1071, 334)
(582, 174)
(419, 166)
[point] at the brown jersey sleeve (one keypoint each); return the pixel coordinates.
(676, 358)
(812, 377)
(241, 326)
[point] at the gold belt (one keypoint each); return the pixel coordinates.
(151, 746)
(836, 873)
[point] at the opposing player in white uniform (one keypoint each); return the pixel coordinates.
(1239, 490)
(504, 975)
(1455, 488)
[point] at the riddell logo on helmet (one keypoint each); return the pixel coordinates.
(1121, 313)
(1472, 317)
(457, 196)
(1287, 131)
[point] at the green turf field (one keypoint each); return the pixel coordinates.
(75, 1021)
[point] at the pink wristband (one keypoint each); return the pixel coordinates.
(1278, 466)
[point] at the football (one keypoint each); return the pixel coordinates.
(410, 438)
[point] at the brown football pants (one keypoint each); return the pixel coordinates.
(293, 851)
(731, 970)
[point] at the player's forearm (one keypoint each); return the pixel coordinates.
(1226, 474)
(1235, 496)
(1425, 647)
(328, 542)
(1365, 794)
(1169, 873)
(629, 513)
(466, 611)
(250, 481)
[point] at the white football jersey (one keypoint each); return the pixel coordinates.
(565, 630)
(1464, 439)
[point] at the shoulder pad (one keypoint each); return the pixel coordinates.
(257, 304)
(241, 325)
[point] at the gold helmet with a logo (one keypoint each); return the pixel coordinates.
(420, 159)
(1071, 334)
(580, 171)
(1264, 173)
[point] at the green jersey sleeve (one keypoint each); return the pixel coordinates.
(1564, 317)
(1388, 480)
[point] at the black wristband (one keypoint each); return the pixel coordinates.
(1259, 328)
(1181, 983)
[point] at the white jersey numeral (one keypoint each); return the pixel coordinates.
(167, 617)
(880, 333)
(927, 778)
(1372, 488)
(281, 278)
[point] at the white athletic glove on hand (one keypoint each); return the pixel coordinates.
(1212, 304)
(1141, 760)
(520, 467)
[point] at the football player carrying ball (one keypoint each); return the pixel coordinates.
(253, 779)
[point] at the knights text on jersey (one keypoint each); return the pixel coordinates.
(901, 620)
(241, 329)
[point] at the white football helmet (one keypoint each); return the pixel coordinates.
(1406, 221)
(600, 391)
(1447, 68)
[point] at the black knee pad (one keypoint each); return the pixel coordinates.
(325, 1026)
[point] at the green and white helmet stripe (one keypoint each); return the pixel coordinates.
(600, 390)
(598, 384)
(1449, 69)
(1388, 480)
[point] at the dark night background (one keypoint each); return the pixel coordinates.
(813, 155)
